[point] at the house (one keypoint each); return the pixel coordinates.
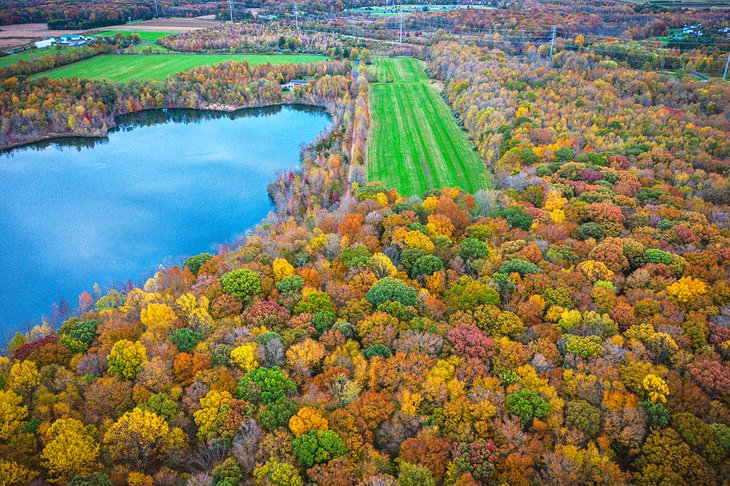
(694, 29)
(294, 83)
(46, 42)
(71, 40)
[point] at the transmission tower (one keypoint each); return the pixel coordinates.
(400, 37)
(230, 9)
(552, 42)
(296, 15)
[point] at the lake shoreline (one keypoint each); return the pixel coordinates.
(102, 133)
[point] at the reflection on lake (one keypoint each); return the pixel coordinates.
(167, 184)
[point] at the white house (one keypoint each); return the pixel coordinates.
(47, 42)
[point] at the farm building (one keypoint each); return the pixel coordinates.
(46, 42)
(71, 40)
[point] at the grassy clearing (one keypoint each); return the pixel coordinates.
(32, 53)
(144, 36)
(415, 142)
(124, 68)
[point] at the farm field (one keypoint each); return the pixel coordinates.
(146, 36)
(124, 68)
(32, 53)
(166, 24)
(415, 142)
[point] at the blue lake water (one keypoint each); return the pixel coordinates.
(164, 186)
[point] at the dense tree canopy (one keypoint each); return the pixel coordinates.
(569, 326)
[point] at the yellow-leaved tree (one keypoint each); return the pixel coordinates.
(12, 473)
(212, 407)
(687, 290)
(71, 450)
(12, 414)
(126, 358)
(24, 377)
(655, 388)
(246, 356)
(158, 318)
(382, 266)
(282, 269)
(306, 420)
(140, 437)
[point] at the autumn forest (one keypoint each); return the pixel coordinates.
(563, 319)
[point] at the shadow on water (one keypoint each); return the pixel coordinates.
(148, 118)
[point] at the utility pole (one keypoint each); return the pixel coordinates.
(296, 16)
(156, 11)
(230, 9)
(727, 63)
(400, 37)
(552, 42)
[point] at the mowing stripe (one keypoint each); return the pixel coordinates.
(415, 142)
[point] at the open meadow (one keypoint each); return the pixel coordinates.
(415, 143)
(144, 35)
(124, 68)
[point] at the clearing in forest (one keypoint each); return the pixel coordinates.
(415, 142)
(124, 68)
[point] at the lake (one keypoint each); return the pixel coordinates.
(165, 185)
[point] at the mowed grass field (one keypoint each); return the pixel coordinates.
(124, 68)
(32, 53)
(144, 36)
(415, 143)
